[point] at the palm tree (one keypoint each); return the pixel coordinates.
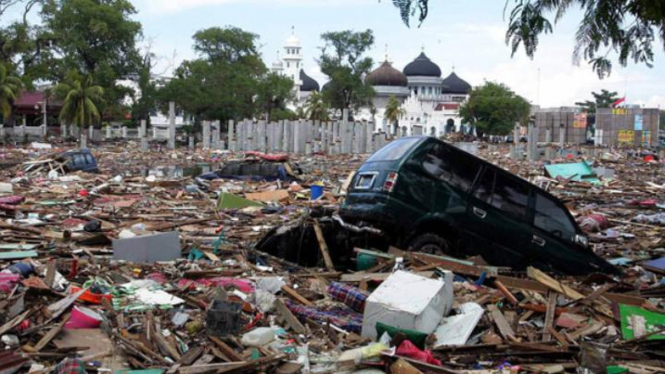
(394, 111)
(316, 108)
(80, 98)
(9, 88)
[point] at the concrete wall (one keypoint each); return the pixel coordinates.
(627, 126)
(555, 121)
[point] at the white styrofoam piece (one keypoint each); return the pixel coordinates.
(456, 330)
(408, 301)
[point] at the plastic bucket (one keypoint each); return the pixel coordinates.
(316, 191)
(83, 318)
(365, 261)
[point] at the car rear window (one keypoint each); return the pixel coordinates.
(394, 150)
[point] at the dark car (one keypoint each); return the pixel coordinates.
(256, 170)
(79, 160)
(430, 196)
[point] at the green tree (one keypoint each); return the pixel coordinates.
(273, 92)
(394, 111)
(316, 108)
(146, 99)
(223, 82)
(80, 98)
(97, 38)
(603, 99)
(9, 90)
(343, 61)
(627, 27)
(494, 109)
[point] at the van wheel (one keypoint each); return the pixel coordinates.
(431, 244)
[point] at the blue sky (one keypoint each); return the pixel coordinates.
(466, 34)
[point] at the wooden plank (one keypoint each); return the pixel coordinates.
(51, 268)
(228, 351)
(501, 323)
(323, 247)
(553, 284)
(508, 295)
(549, 316)
(293, 294)
(378, 277)
(560, 338)
(290, 319)
(51, 334)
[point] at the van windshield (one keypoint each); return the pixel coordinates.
(394, 150)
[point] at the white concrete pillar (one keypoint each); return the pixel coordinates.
(107, 130)
(206, 134)
(91, 133)
(216, 134)
(562, 135)
(191, 144)
(261, 133)
(63, 130)
(231, 136)
(84, 141)
(124, 132)
(297, 129)
(171, 143)
(154, 132)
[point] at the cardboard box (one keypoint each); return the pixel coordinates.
(148, 248)
(408, 301)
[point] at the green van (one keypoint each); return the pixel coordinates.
(429, 196)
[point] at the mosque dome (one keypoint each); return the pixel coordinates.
(386, 75)
(308, 83)
(293, 41)
(455, 85)
(422, 66)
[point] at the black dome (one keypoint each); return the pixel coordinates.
(308, 83)
(386, 75)
(422, 67)
(455, 85)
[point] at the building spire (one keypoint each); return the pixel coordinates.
(293, 30)
(422, 48)
(387, 52)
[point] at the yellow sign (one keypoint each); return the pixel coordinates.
(580, 121)
(626, 136)
(620, 111)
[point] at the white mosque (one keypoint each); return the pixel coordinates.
(429, 101)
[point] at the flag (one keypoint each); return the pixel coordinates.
(616, 103)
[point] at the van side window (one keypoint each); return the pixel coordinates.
(552, 218)
(452, 166)
(79, 160)
(88, 159)
(503, 193)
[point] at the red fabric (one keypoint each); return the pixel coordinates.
(267, 157)
(614, 104)
(407, 349)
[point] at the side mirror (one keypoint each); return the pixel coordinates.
(581, 240)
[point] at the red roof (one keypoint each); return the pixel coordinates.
(26, 102)
(446, 106)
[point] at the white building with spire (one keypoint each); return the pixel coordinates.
(289, 63)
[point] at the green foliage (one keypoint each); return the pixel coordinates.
(494, 109)
(411, 8)
(97, 38)
(80, 99)
(10, 86)
(147, 100)
(627, 27)
(223, 82)
(316, 108)
(273, 92)
(343, 61)
(280, 114)
(394, 110)
(604, 99)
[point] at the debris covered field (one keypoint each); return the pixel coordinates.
(145, 266)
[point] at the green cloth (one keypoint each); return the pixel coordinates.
(645, 322)
(416, 337)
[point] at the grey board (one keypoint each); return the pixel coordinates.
(149, 248)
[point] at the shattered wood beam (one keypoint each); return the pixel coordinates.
(293, 294)
(549, 316)
(51, 334)
(226, 350)
(290, 319)
(502, 324)
(323, 247)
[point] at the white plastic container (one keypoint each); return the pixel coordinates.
(258, 337)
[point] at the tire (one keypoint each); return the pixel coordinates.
(431, 244)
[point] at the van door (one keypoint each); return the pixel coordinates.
(553, 239)
(499, 220)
